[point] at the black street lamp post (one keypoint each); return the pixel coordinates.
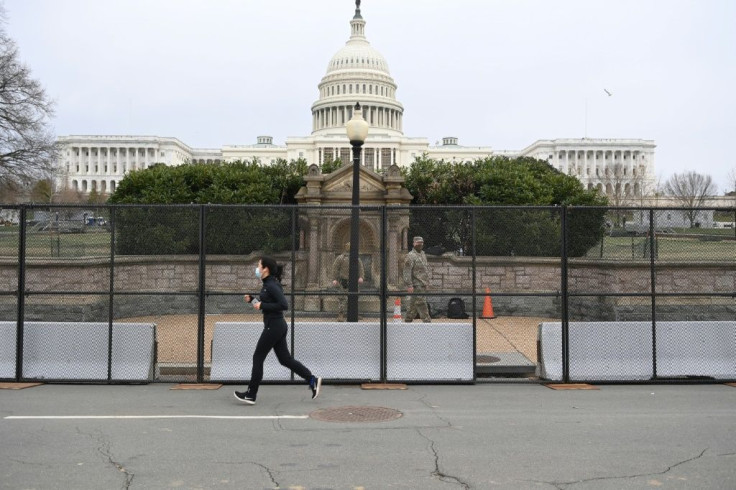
(357, 129)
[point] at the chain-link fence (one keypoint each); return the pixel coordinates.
(438, 294)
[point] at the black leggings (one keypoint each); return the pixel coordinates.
(274, 337)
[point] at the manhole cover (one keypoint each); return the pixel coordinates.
(487, 359)
(355, 414)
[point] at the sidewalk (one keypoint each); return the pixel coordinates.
(508, 436)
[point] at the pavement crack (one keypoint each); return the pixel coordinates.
(423, 400)
(268, 472)
(564, 485)
(104, 448)
(437, 472)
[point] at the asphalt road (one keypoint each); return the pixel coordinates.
(506, 436)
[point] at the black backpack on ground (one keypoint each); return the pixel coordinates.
(456, 308)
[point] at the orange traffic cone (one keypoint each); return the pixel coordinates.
(397, 310)
(488, 306)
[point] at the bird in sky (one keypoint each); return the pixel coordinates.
(606, 91)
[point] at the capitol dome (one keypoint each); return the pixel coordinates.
(357, 73)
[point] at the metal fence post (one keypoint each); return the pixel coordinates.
(384, 293)
(565, 299)
(112, 293)
(293, 287)
(653, 285)
(202, 292)
(21, 294)
(475, 293)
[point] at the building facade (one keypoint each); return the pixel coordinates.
(357, 72)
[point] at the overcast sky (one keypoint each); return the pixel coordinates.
(498, 73)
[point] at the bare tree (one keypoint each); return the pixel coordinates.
(10, 192)
(690, 189)
(731, 182)
(625, 187)
(28, 149)
(69, 196)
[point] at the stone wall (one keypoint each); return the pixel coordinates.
(519, 286)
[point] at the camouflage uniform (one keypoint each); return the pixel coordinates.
(341, 274)
(416, 275)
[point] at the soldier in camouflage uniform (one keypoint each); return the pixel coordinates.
(340, 277)
(416, 278)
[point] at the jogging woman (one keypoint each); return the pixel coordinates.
(273, 303)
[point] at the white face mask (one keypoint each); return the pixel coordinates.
(258, 273)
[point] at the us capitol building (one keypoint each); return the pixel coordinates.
(357, 72)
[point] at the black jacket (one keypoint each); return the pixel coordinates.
(273, 301)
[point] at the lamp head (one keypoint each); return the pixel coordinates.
(357, 127)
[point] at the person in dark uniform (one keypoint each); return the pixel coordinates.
(273, 303)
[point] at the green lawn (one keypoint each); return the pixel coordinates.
(48, 244)
(696, 248)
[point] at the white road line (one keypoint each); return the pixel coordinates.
(92, 417)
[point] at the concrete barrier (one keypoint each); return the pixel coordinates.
(62, 351)
(8, 341)
(232, 353)
(333, 350)
(340, 350)
(623, 351)
(606, 351)
(696, 348)
(434, 351)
